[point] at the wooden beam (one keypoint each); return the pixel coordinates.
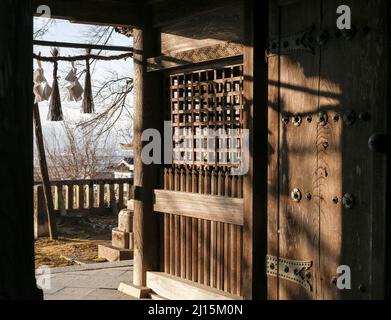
(255, 181)
(167, 12)
(81, 46)
(128, 13)
(148, 115)
(207, 207)
(188, 57)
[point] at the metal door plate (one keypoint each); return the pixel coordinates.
(295, 271)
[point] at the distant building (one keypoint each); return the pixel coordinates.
(124, 169)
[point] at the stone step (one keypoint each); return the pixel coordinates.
(111, 253)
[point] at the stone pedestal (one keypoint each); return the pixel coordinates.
(122, 239)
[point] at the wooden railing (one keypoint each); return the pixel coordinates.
(86, 195)
(202, 235)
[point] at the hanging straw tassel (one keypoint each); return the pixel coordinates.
(55, 110)
(88, 102)
(75, 91)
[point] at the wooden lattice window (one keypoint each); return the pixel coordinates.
(207, 116)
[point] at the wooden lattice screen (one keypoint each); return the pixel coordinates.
(203, 102)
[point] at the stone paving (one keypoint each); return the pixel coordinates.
(98, 281)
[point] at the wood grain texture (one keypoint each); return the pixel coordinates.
(215, 208)
(346, 163)
(146, 177)
(207, 28)
(180, 289)
(299, 83)
(211, 53)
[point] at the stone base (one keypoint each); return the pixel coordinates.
(112, 254)
(134, 291)
(120, 239)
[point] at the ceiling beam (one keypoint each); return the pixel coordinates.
(101, 12)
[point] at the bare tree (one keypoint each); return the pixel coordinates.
(85, 148)
(75, 155)
(42, 27)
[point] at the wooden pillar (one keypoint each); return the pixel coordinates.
(148, 115)
(255, 181)
(17, 278)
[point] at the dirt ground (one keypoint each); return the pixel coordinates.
(79, 236)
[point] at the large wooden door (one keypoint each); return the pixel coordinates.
(327, 98)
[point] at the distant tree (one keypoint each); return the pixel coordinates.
(75, 155)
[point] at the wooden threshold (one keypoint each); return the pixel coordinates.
(174, 288)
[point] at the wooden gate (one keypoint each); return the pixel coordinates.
(202, 200)
(327, 98)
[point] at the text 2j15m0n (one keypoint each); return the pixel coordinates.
(200, 310)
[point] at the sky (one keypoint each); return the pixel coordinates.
(64, 31)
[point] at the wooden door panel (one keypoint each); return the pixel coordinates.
(353, 77)
(344, 75)
(298, 83)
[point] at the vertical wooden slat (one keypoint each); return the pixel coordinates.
(166, 232)
(200, 266)
(172, 225)
(220, 190)
(177, 246)
(219, 254)
(177, 243)
(239, 249)
(233, 255)
(206, 236)
(167, 266)
(234, 189)
(227, 270)
(240, 187)
(183, 228)
(228, 185)
(213, 254)
(194, 274)
(172, 245)
(166, 228)
(188, 231)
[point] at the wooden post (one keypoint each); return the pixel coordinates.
(44, 173)
(148, 115)
(17, 278)
(255, 181)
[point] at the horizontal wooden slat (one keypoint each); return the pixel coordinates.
(207, 207)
